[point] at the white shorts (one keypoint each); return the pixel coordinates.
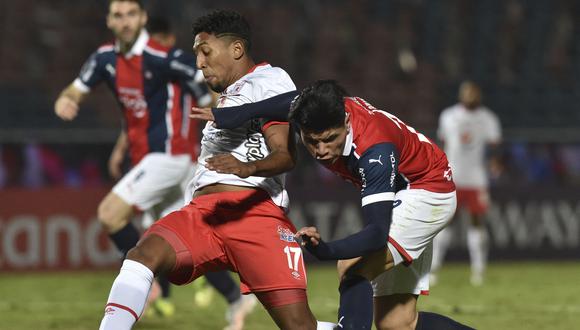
(157, 179)
(420, 215)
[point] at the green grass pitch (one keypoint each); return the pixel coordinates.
(514, 296)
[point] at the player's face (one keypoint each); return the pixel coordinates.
(326, 146)
(216, 59)
(126, 19)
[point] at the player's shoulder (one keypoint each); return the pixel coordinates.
(156, 49)
(265, 81)
(106, 48)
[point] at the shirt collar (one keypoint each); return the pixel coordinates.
(138, 46)
(348, 142)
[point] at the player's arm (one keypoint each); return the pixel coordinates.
(274, 108)
(379, 167)
(282, 156)
(67, 104)
(118, 155)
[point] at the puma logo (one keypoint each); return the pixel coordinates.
(376, 160)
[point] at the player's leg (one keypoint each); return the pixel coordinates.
(288, 308)
(260, 246)
(477, 239)
(114, 214)
(441, 244)
(356, 294)
(153, 255)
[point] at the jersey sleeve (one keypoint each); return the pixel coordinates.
(182, 68)
(378, 171)
(442, 128)
(91, 74)
(272, 109)
(493, 128)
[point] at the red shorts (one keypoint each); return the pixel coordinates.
(475, 201)
(243, 231)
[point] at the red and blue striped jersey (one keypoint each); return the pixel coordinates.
(155, 87)
(380, 148)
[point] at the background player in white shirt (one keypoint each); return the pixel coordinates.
(467, 129)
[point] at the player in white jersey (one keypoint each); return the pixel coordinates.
(233, 222)
(467, 129)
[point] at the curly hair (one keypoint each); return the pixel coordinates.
(224, 23)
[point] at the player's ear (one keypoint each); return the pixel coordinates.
(144, 18)
(238, 49)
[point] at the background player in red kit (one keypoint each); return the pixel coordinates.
(155, 86)
(407, 197)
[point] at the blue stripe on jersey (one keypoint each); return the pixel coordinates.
(377, 168)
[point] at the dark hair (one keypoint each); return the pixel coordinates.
(222, 23)
(319, 107)
(139, 2)
(158, 24)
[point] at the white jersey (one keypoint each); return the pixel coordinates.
(246, 143)
(465, 134)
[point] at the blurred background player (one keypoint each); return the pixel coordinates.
(155, 85)
(466, 130)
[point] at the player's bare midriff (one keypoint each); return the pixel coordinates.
(219, 187)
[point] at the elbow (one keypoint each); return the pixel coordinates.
(379, 239)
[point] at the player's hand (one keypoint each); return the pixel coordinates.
(66, 108)
(201, 114)
(228, 164)
(115, 162)
(308, 235)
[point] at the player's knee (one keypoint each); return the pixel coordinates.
(109, 217)
(401, 320)
(155, 253)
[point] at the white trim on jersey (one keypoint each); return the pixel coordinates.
(348, 143)
(185, 121)
(81, 86)
(106, 48)
(168, 119)
(380, 197)
(156, 52)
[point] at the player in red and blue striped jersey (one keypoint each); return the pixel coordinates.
(155, 84)
(407, 197)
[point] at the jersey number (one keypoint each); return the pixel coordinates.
(293, 261)
(394, 119)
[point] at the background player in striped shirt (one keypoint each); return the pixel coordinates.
(468, 131)
(155, 85)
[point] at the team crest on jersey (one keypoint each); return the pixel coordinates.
(286, 234)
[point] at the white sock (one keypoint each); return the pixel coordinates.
(128, 295)
(440, 246)
(477, 245)
(325, 325)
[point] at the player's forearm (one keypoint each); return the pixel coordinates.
(371, 238)
(276, 163)
(122, 143)
(73, 94)
(275, 108)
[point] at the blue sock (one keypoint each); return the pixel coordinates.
(223, 282)
(433, 321)
(165, 285)
(356, 303)
(126, 238)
